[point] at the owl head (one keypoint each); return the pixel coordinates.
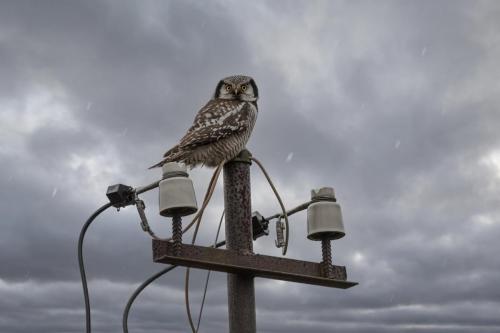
(237, 87)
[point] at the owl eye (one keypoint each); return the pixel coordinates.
(228, 87)
(244, 87)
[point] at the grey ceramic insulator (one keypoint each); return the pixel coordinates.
(177, 195)
(324, 217)
(174, 169)
(323, 193)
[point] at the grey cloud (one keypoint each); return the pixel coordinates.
(399, 114)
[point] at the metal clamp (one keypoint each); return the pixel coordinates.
(141, 206)
(280, 227)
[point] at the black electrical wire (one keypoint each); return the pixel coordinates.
(143, 286)
(82, 268)
(138, 291)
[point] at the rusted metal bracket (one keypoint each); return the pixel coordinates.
(252, 264)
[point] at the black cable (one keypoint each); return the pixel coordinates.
(80, 263)
(114, 201)
(138, 291)
(147, 283)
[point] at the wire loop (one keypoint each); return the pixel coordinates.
(284, 214)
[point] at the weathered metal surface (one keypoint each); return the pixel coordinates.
(326, 251)
(237, 205)
(177, 233)
(251, 264)
(238, 214)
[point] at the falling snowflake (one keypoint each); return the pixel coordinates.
(289, 157)
(397, 144)
(89, 105)
(54, 192)
(358, 257)
(424, 51)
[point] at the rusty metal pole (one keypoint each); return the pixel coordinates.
(237, 202)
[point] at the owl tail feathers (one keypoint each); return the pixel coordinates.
(173, 155)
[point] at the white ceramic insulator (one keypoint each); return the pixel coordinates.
(324, 221)
(177, 196)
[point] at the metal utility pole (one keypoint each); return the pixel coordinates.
(237, 202)
(238, 260)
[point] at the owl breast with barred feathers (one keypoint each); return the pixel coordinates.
(221, 128)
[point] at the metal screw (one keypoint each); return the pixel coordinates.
(177, 233)
(326, 249)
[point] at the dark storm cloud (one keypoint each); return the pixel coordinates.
(392, 103)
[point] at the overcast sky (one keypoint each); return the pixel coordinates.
(393, 103)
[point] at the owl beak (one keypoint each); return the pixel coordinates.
(236, 91)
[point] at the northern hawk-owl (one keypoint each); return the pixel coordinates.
(221, 128)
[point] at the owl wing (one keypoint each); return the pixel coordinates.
(218, 119)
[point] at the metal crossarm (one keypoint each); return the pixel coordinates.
(256, 265)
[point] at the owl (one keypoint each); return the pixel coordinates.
(221, 128)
